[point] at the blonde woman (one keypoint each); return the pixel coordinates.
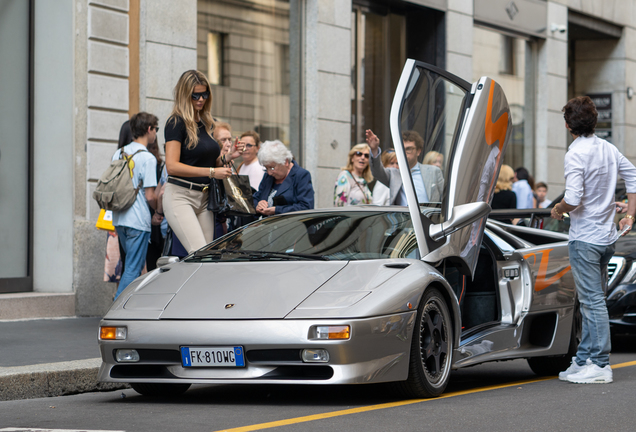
(193, 158)
(504, 197)
(352, 185)
(434, 158)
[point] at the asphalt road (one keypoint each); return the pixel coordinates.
(493, 397)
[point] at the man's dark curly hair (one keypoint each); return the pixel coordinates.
(414, 137)
(580, 115)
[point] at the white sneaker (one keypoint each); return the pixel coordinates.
(592, 374)
(574, 368)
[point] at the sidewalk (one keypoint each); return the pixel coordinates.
(49, 357)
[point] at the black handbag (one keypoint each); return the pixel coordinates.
(217, 200)
(231, 196)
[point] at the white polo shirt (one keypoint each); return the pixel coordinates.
(591, 168)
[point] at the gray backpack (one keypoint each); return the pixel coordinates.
(114, 189)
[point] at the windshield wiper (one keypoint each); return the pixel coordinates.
(256, 255)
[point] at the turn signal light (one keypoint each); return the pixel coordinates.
(333, 332)
(112, 333)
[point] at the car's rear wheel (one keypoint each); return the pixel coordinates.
(552, 365)
(431, 348)
(160, 389)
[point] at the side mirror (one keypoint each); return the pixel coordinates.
(165, 260)
(463, 215)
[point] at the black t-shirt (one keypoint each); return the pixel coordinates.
(204, 154)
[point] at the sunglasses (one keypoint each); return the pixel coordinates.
(156, 128)
(204, 95)
(359, 153)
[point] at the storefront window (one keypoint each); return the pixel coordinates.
(383, 38)
(14, 146)
(243, 48)
(504, 58)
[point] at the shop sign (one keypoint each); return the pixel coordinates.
(603, 102)
(524, 17)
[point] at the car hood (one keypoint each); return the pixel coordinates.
(242, 290)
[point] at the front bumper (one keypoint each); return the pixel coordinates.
(377, 351)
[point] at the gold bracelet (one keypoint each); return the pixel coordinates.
(628, 216)
(212, 172)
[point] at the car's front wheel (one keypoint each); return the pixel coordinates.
(160, 389)
(431, 348)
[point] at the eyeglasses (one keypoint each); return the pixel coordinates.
(410, 149)
(359, 153)
(270, 168)
(204, 95)
(249, 145)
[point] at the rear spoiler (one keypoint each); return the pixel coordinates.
(533, 217)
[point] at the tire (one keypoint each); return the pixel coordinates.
(552, 365)
(160, 389)
(431, 349)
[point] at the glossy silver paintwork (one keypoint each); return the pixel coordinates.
(396, 134)
(462, 215)
(477, 144)
(475, 167)
(278, 303)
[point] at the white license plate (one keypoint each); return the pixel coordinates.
(212, 356)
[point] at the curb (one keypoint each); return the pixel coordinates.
(52, 379)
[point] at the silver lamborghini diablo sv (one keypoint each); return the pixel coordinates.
(362, 294)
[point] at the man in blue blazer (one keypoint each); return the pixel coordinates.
(428, 179)
(285, 187)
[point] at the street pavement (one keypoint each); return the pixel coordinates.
(49, 357)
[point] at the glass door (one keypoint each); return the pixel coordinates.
(15, 52)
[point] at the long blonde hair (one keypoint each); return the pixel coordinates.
(366, 174)
(183, 106)
(504, 181)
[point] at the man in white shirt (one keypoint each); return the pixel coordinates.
(591, 167)
(133, 224)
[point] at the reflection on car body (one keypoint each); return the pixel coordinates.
(365, 294)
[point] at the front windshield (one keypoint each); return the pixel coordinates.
(345, 235)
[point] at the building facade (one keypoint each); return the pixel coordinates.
(313, 73)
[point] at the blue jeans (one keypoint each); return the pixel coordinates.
(589, 267)
(135, 244)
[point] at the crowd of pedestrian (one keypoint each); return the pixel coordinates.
(170, 214)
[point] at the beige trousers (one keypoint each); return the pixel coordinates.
(188, 216)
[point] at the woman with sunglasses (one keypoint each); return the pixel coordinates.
(193, 158)
(352, 185)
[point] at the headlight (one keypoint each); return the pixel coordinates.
(113, 333)
(127, 356)
(315, 356)
(330, 332)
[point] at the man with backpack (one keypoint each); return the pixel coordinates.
(133, 223)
